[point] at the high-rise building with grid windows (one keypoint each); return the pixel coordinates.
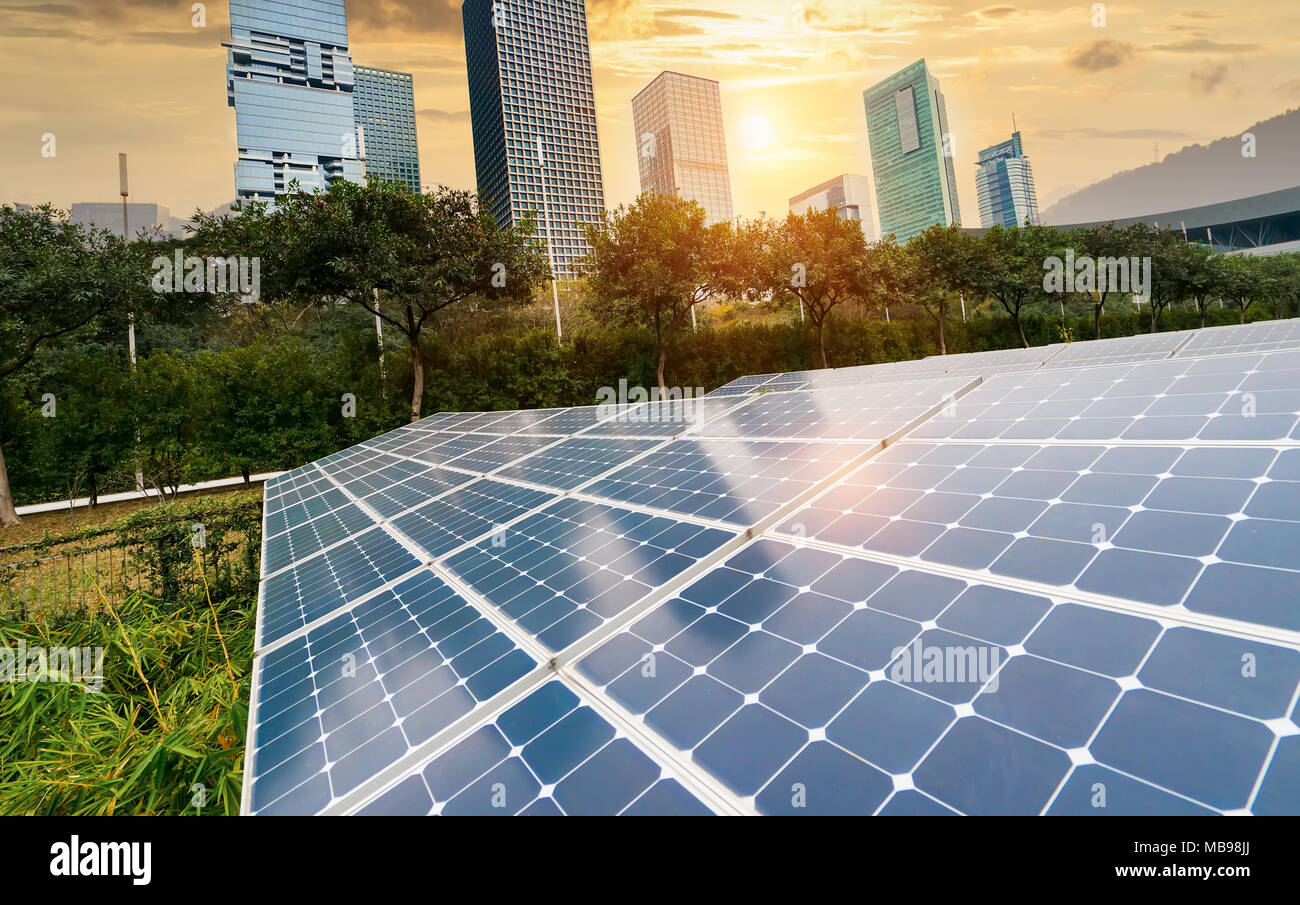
(849, 194)
(911, 153)
(384, 104)
(1005, 185)
(533, 112)
(289, 78)
(681, 144)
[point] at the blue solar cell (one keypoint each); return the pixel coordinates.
(565, 570)
(834, 414)
(577, 460)
(1112, 644)
(1250, 678)
(549, 753)
(1094, 791)
(309, 537)
(367, 686)
(396, 498)
(1208, 755)
(1028, 693)
(468, 513)
(981, 768)
(735, 481)
(915, 722)
(825, 780)
(317, 586)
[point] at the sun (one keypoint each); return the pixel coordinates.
(755, 132)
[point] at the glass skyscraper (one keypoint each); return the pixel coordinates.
(681, 146)
(1005, 185)
(916, 183)
(289, 78)
(384, 102)
(849, 194)
(533, 112)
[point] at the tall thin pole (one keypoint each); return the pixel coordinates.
(126, 237)
(550, 242)
(962, 296)
(130, 318)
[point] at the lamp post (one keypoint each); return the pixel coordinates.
(550, 240)
(130, 317)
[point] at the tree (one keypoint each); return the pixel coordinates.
(55, 279)
(1010, 269)
(1199, 276)
(1106, 243)
(939, 263)
(1245, 280)
(821, 259)
(653, 261)
(423, 253)
(1284, 282)
(1162, 247)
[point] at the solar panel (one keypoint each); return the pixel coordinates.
(667, 418)
(566, 570)
(1261, 336)
(1241, 399)
(973, 584)
(874, 688)
(1001, 361)
(550, 754)
(359, 691)
(875, 413)
(577, 460)
(740, 482)
(1120, 350)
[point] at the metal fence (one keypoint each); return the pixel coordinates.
(153, 550)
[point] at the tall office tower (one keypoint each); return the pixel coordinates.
(916, 184)
(1005, 185)
(681, 145)
(385, 111)
(289, 78)
(533, 112)
(849, 194)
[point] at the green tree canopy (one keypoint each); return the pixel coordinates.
(654, 261)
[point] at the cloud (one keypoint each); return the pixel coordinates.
(1101, 55)
(1208, 77)
(1204, 45)
(995, 12)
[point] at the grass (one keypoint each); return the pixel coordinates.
(165, 733)
(164, 736)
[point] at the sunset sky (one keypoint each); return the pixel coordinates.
(134, 75)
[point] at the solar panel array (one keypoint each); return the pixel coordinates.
(1047, 581)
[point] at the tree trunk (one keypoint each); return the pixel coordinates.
(663, 355)
(417, 370)
(8, 514)
(1201, 308)
(943, 345)
(821, 344)
(1020, 328)
(1096, 318)
(1242, 318)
